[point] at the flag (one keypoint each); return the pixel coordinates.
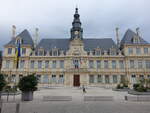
(17, 55)
(80, 61)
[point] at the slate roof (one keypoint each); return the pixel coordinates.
(49, 44)
(89, 44)
(127, 39)
(26, 39)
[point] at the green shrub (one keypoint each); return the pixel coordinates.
(2, 82)
(28, 83)
(9, 89)
(135, 86)
(119, 86)
(141, 89)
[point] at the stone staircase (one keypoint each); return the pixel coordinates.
(57, 98)
(98, 98)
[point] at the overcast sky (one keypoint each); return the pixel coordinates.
(53, 17)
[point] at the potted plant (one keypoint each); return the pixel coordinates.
(2, 84)
(28, 84)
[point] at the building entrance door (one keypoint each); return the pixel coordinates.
(76, 80)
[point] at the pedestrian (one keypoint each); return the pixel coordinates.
(83, 88)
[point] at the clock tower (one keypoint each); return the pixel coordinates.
(76, 30)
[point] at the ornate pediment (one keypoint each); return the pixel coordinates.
(76, 48)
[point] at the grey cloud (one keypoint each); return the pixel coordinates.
(53, 18)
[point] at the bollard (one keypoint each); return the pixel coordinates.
(126, 98)
(17, 107)
(1, 104)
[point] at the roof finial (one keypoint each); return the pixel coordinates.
(117, 36)
(76, 9)
(13, 31)
(36, 36)
(137, 31)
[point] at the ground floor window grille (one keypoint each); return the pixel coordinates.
(45, 79)
(99, 78)
(91, 79)
(13, 78)
(115, 80)
(122, 79)
(107, 79)
(39, 78)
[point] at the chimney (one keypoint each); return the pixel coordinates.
(13, 31)
(117, 37)
(137, 31)
(36, 36)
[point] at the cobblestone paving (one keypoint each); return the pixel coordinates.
(77, 105)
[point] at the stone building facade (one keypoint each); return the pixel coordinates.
(78, 61)
(0, 60)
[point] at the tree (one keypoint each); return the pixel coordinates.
(28, 84)
(2, 83)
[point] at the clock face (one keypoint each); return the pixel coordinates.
(76, 32)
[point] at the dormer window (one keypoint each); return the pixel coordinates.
(135, 39)
(97, 52)
(9, 51)
(41, 52)
(18, 41)
(55, 52)
(112, 51)
(23, 51)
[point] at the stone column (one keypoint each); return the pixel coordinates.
(111, 79)
(95, 79)
(119, 78)
(103, 78)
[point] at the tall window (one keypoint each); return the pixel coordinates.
(39, 64)
(45, 79)
(9, 51)
(141, 76)
(113, 64)
(121, 64)
(130, 50)
(133, 78)
(138, 51)
(61, 63)
(32, 64)
(22, 62)
(61, 79)
(106, 64)
(98, 63)
(132, 64)
(99, 79)
(76, 64)
(23, 51)
(46, 64)
(7, 64)
(54, 79)
(140, 65)
(145, 50)
(147, 64)
(91, 64)
(115, 79)
(54, 64)
(91, 79)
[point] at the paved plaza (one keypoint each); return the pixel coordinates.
(77, 104)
